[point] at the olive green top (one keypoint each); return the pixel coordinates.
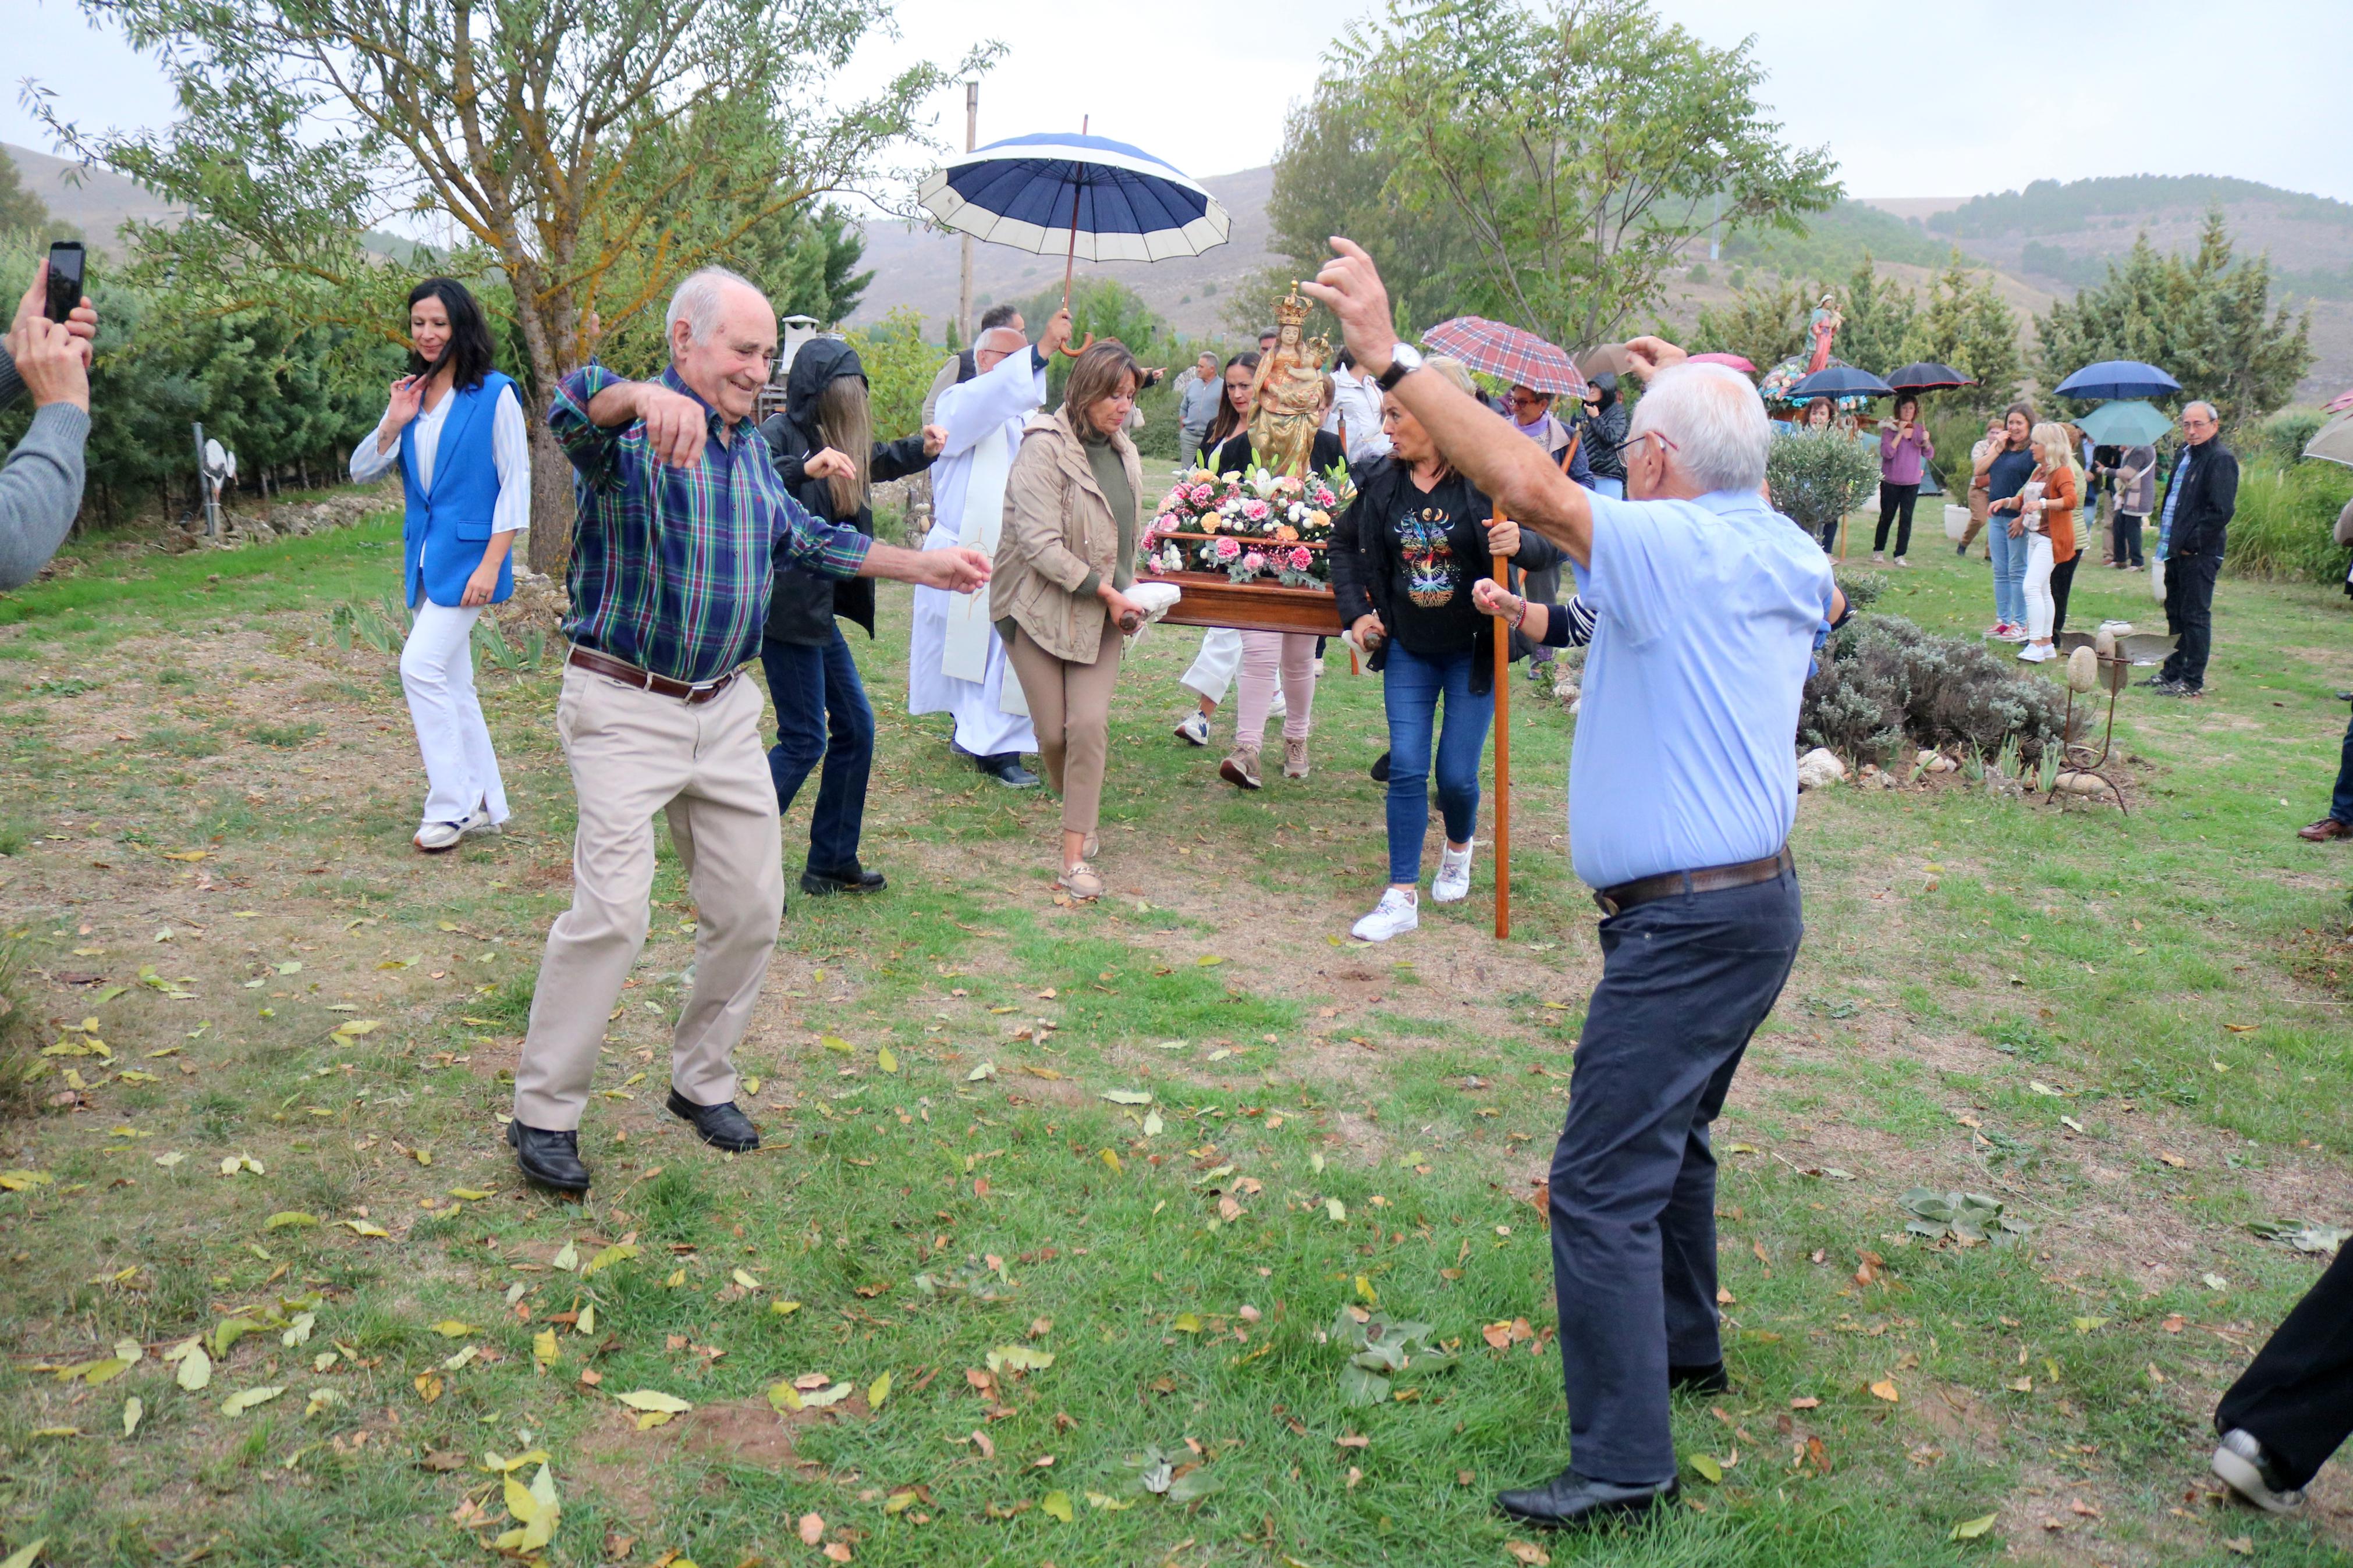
(1111, 474)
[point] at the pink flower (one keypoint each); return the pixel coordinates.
(1254, 562)
(1300, 559)
(1324, 498)
(1255, 511)
(1203, 495)
(1229, 547)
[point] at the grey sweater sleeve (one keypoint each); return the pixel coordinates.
(41, 485)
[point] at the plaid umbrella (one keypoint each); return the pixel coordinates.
(1500, 349)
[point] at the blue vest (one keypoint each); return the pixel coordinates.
(449, 526)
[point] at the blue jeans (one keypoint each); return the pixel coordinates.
(1410, 689)
(1685, 983)
(821, 714)
(2341, 804)
(2009, 557)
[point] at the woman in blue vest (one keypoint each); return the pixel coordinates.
(456, 428)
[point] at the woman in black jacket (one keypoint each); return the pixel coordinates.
(824, 450)
(1405, 556)
(1605, 433)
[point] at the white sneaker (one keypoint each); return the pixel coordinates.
(1398, 912)
(1282, 705)
(1879, 558)
(478, 821)
(2036, 653)
(1453, 883)
(1901, 562)
(1194, 728)
(435, 836)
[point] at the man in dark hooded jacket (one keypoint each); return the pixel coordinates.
(822, 713)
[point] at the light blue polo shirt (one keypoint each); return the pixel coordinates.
(1687, 739)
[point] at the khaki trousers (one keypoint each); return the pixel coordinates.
(632, 753)
(1070, 704)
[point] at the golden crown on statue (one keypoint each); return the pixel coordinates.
(1291, 310)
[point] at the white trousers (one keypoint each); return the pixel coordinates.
(2042, 609)
(436, 671)
(1214, 667)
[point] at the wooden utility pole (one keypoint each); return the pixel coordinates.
(963, 286)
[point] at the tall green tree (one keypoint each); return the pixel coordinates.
(1571, 148)
(589, 153)
(1964, 322)
(2207, 318)
(1333, 176)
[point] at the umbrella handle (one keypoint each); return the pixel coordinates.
(1075, 353)
(1070, 264)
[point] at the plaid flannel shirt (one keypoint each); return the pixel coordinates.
(670, 567)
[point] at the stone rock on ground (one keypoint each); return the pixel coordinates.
(1820, 769)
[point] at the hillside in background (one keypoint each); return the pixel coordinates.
(2046, 240)
(91, 202)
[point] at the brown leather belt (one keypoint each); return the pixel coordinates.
(612, 669)
(1617, 901)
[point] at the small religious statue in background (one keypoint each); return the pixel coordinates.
(1287, 394)
(1824, 326)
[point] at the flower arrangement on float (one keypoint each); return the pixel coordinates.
(1252, 526)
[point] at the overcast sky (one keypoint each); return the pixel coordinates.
(1913, 96)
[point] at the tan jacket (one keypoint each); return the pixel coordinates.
(1059, 528)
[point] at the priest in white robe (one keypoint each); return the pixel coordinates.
(955, 662)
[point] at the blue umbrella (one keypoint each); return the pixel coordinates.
(1053, 192)
(2117, 378)
(1837, 381)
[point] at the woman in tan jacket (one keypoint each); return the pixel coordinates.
(1064, 562)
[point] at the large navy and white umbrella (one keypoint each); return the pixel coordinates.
(1084, 195)
(2117, 378)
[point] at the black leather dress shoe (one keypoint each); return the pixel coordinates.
(1569, 1499)
(1006, 769)
(1708, 1379)
(551, 1159)
(852, 879)
(721, 1126)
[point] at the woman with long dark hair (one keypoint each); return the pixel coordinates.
(455, 427)
(824, 445)
(1905, 450)
(1406, 558)
(1211, 674)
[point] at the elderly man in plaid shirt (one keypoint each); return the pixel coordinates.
(684, 521)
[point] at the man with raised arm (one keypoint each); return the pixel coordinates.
(1683, 787)
(683, 521)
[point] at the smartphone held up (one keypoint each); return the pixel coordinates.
(66, 257)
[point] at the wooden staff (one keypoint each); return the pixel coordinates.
(1503, 757)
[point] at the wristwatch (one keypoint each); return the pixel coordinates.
(1404, 360)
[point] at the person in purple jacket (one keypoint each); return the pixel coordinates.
(1905, 449)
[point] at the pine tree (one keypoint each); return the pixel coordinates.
(2207, 321)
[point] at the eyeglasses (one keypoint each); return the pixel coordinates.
(1526, 399)
(1665, 445)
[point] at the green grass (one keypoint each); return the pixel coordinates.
(956, 1199)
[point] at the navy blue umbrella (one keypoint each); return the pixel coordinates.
(1837, 381)
(1087, 194)
(1050, 192)
(2117, 378)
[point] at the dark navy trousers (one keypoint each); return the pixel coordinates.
(1685, 981)
(2298, 1396)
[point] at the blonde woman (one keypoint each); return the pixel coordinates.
(1064, 563)
(2046, 523)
